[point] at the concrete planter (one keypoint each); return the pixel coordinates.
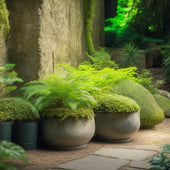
(118, 127)
(67, 134)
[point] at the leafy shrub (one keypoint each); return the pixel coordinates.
(10, 150)
(18, 109)
(7, 78)
(150, 112)
(105, 79)
(65, 113)
(101, 59)
(164, 103)
(145, 79)
(113, 103)
(131, 55)
(161, 162)
(57, 91)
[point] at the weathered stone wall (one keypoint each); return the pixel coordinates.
(98, 25)
(47, 32)
(23, 46)
(61, 34)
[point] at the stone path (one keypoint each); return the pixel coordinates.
(114, 158)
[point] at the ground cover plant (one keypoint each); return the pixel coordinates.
(162, 161)
(9, 150)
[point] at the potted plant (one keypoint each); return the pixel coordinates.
(67, 121)
(7, 78)
(117, 117)
(25, 116)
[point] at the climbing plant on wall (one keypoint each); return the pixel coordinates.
(4, 23)
(89, 8)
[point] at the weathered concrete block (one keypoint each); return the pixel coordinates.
(47, 32)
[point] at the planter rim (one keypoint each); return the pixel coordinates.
(116, 113)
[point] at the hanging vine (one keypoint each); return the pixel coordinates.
(89, 9)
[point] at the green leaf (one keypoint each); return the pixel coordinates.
(6, 166)
(166, 149)
(10, 88)
(9, 150)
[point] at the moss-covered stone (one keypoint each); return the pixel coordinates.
(18, 109)
(150, 112)
(67, 113)
(113, 103)
(164, 103)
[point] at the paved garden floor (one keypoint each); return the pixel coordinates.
(103, 156)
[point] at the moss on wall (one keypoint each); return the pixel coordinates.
(89, 8)
(4, 29)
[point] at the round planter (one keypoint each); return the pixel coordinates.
(118, 127)
(5, 130)
(67, 134)
(25, 134)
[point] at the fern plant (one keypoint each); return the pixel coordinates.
(166, 68)
(131, 56)
(57, 91)
(9, 150)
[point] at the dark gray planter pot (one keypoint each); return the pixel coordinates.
(118, 127)
(68, 134)
(6, 130)
(25, 134)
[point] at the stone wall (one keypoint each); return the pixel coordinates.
(23, 46)
(47, 32)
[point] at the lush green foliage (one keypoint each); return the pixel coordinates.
(101, 59)
(125, 12)
(150, 112)
(113, 103)
(10, 150)
(131, 55)
(17, 109)
(145, 79)
(89, 8)
(7, 78)
(57, 91)
(162, 161)
(164, 103)
(105, 78)
(67, 113)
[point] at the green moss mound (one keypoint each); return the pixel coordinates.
(113, 103)
(67, 113)
(18, 109)
(150, 112)
(164, 103)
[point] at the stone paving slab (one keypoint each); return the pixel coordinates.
(126, 154)
(140, 164)
(94, 163)
(140, 147)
